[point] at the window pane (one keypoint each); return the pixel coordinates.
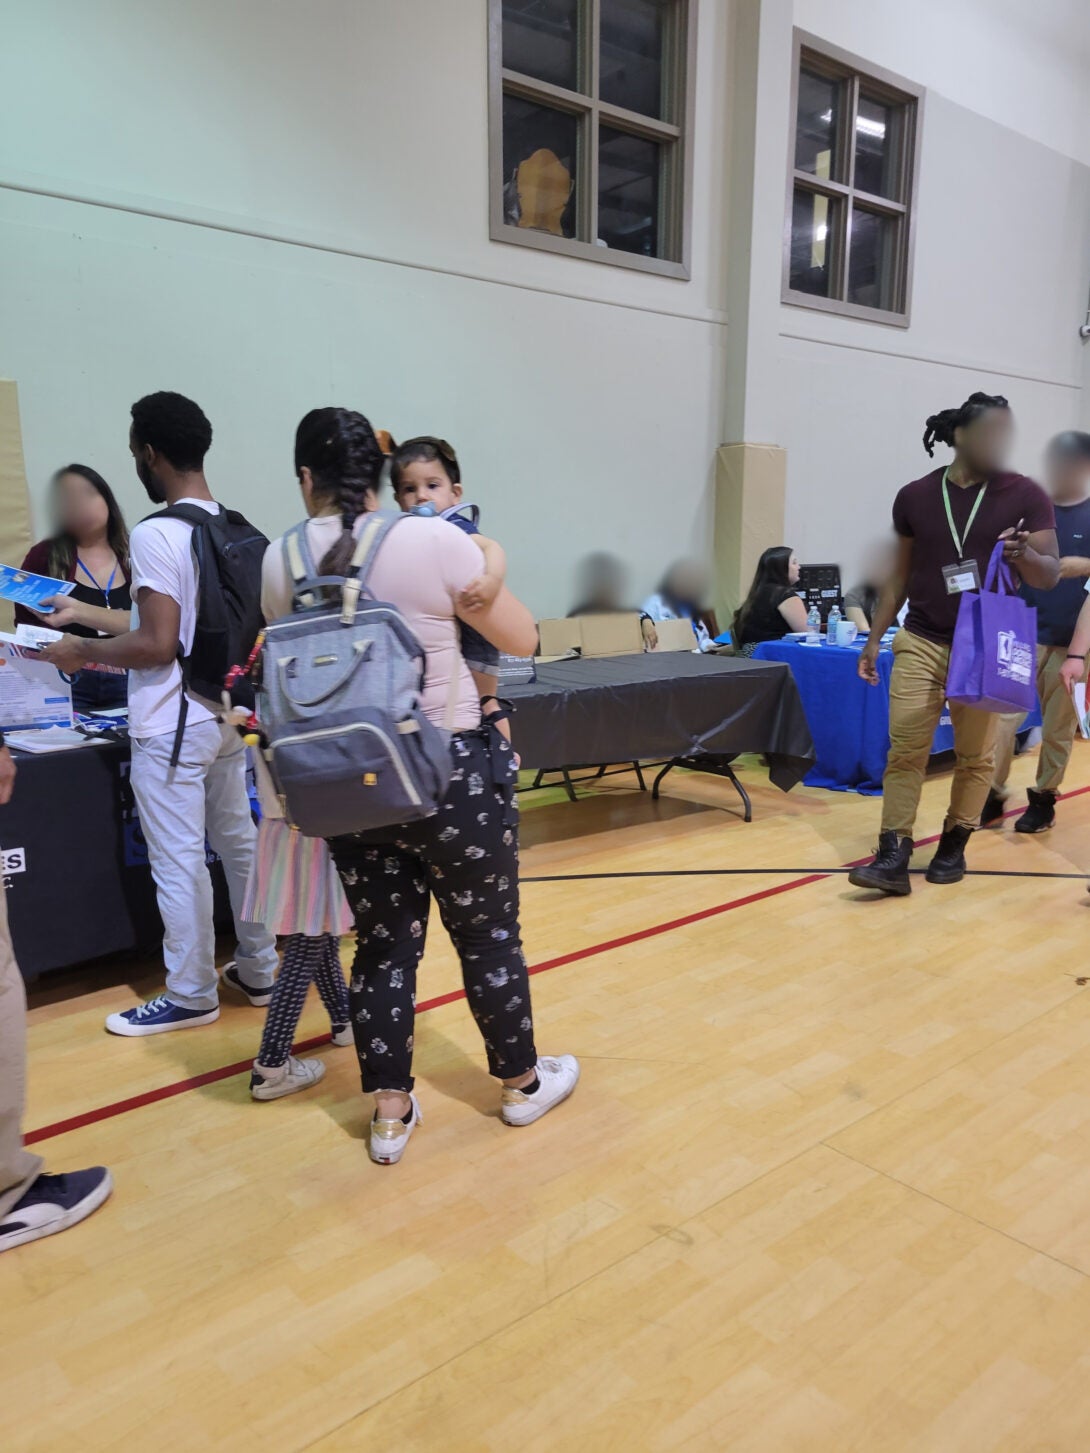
(814, 239)
(630, 55)
(628, 192)
(816, 126)
(872, 261)
(877, 148)
(540, 148)
(541, 39)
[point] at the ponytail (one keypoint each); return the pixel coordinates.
(345, 460)
(941, 427)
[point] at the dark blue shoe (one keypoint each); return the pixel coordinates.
(258, 994)
(159, 1016)
(54, 1203)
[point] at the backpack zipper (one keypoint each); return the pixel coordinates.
(361, 726)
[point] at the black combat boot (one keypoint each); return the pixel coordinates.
(948, 864)
(889, 870)
(994, 809)
(1040, 814)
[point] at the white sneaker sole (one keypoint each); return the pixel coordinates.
(79, 1212)
(530, 1113)
(115, 1024)
(288, 1086)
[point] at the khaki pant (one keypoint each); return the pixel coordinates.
(917, 694)
(1058, 726)
(18, 1168)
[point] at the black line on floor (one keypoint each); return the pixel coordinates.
(775, 872)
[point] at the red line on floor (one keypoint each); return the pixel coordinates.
(225, 1072)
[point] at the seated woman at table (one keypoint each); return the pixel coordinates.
(89, 546)
(772, 608)
(681, 597)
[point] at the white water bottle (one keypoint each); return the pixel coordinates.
(834, 620)
(813, 623)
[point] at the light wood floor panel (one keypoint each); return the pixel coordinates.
(823, 1187)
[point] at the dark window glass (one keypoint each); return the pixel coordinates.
(877, 149)
(814, 239)
(816, 126)
(630, 55)
(628, 192)
(872, 260)
(540, 150)
(541, 39)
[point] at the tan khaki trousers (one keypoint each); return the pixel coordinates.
(18, 1168)
(1058, 726)
(917, 695)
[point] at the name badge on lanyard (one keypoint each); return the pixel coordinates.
(965, 575)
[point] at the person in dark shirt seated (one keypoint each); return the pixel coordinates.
(90, 546)
(1067, 476)
(861, 601)
(772, 608)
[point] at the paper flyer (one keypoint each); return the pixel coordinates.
(32, 693)
(24, 588)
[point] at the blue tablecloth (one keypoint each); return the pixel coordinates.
(849, 720)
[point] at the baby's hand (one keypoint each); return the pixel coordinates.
(480, 593)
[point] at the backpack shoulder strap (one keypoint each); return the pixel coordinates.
(299, 563)
(190, 514)
(376, 527)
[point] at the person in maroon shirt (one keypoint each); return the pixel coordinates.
(947, 524)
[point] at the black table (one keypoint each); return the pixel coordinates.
(694, 711)
(75, 863)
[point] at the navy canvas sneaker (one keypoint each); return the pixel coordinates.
(159, 1016)
(258, 994)
(53, 1203)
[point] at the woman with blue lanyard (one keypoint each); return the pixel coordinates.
(90, 547)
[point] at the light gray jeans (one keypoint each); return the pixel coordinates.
(204, 794)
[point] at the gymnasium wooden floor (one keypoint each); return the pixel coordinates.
(825, 1185)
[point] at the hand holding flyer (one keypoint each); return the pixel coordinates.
(23, 587)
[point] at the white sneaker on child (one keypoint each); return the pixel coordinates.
(557, 1078)
(390, 1137)
(270, 1082)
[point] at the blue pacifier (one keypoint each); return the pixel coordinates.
(426, 511)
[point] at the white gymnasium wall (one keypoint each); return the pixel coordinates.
(140, 144)
(1002, 258)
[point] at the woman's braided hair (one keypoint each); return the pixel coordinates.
(942, 426)
(345, 459)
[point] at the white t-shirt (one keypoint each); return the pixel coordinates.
(161, 556)
(421, 567)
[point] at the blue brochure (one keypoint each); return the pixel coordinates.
(25, 588)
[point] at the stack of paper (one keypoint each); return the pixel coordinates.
(49, 739)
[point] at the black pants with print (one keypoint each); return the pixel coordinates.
(467, 856)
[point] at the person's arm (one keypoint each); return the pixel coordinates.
(153, 643)
(794, 612)
(858, 617)
(1035, 556)
(1074, 567)
(506, 623)
(482, 591)
(68, 612)
(894, 594)
(7, 774)
(1075, 664)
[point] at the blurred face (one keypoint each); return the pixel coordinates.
(985, 444)
(1066, 478)
(426, 481)
(793, 569)
(601, 583)
(688, 582)
(80, 510)
(878, 563)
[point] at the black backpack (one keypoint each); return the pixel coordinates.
(228, 552)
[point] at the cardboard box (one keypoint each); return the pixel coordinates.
(558, 638)
(611, 635)
(675, 636)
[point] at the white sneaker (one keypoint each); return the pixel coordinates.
(270, 1083)
(342, 1036)
(390, 1137)
(557, 1079)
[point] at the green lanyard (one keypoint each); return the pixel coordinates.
(960, 541)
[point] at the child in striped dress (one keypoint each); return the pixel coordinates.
(294, 889)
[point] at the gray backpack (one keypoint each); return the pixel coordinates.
(341, 678)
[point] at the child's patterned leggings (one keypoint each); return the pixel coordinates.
(468, 854)
(305, 957)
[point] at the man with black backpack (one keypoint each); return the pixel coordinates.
(196, 590)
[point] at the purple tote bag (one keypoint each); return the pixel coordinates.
(993, 661)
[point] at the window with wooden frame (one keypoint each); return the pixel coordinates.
(591, 116)
(851, 186)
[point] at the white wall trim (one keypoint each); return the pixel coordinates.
(268, 232)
